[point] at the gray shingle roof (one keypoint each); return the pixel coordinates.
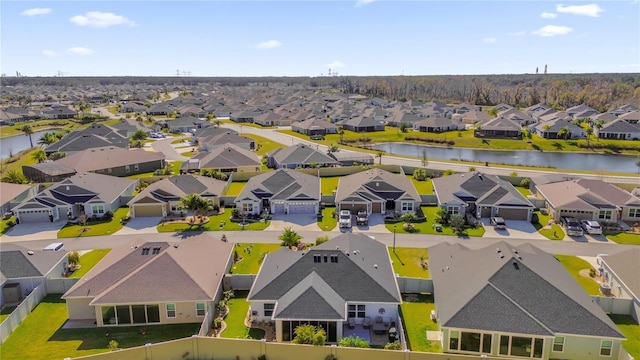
(300, 154)
(15, 262)
(626, 265)
(377, 183)
(175, 187)
(312, 297)
(477, 187)
(281, 184)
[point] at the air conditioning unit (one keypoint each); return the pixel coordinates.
(433, 316)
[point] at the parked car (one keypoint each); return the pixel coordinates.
(571, 225)
(362, 218)
(344, 219)
(498, 223)
(591, 227)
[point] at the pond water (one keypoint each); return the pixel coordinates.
(14, 144)
(560, 160)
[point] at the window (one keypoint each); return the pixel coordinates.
(171, 310)
(558, 344)
(356, 311)
(127, 168)
(605, 214)
(136, 167)
(200, 311)
(470, 342)
(633, 212)
(407, 206)
(247, 207)
(145, 251)
(156, 251)
(454, 340)
(97, 209)
(268, 309)
(605, 347)
(451, 210)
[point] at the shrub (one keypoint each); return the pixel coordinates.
(393, 346)
(108, 216)
(321, 240)
(113, 345)
(525, 183)
(514, 173)
(310, 335)
(592, 272)
(353, 341)
(217, 323)
(73, 258)
(448, 172)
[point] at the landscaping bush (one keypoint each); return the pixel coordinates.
(393, 346)
(321, 240)
(353, 341)
(525, 183)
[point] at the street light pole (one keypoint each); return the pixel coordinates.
(394, 237)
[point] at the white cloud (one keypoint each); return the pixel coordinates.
(548, 15)
(336, 64)
(360, 3)
(79, 51)
(552, 30)
(489, 40)
(517, 33)
(49, 53)
(592, 10)
(100, 19)
(269, 44)
(36, 11)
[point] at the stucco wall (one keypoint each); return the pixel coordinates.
(79, 309)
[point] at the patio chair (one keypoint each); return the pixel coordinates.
(352, 323)
(366, 322)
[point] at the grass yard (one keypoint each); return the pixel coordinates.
(329, 184)
(547, 232)
(424, 187)
(625, 238)
(6, 311)
(252, 256)
(524, 191)
(221, 222)
(41, 336)
(187, 153)
(426, 227)
(407, 262)
(264, 145)
(574, 264)
(38, 125)
(631, 331)
(417, 321)
(18, 160)
(4, 224)
(88, 261)
(95, 228)
(328, 222)
(238, 309)
(235, 188)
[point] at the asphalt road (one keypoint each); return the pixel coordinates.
(164, 146)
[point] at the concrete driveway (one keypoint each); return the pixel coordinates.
(164, 146)
(140, 225)
(376, 225)
(33, 231)
(586, 238)
(517, 229)
(298, 222)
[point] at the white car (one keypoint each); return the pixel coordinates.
(344, 219)
(591, 227)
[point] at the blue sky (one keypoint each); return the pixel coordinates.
(306, 38)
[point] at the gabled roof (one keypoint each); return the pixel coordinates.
(93, 136)
(300, 154)
(620, 126)
(9, 191)
(362, 272)
(587, 194)
(360, 121)
(377, 184)
(488, 190)
(189, 270)
(282, 184)
(500, 123)
(226, 156)
(519, 290)
(176, 187)
(626, 266)
(17, 263)
(314, 124)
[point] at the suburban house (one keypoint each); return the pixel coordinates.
(130, 126)
(299, 155)
(587, 199)
(620, 271)
(342, 283)
(186, 124)
(22, 270)
(473, 116)
(499, 127)
(211, 138)
(579, 109)
(632, 117)
(227, 158)
(96, 135)
(153, 283)
(517, 302)
(57, 112)
(159, 109)
(163, 197)
(517, 116)
(107, 160)
(133, 107)
(618, 129)
(352, 158)
(314, 127)
(13, 194)
(271, 119)
(482, 196)
(90, 194)
(280, 192)
(559, 129)
(363, 124)
(438, 124)
(377, 191)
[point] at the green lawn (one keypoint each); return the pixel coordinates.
(264, 145)
(574, 264)
(424, 187)
(407, 262)
(631, 331)
(556, 229)
(328, 221)
(18, 160)
(95, 228)
(214, 224)
(4, 224)
(524, 191)
(235, 188)
(37, 125)
(238, 308)
(187, 153)
(426, 227)
(6, 311)
(625, 238)
(329, 184)
(417, 321)
(252, 256)
(88, 261)
(41, 336)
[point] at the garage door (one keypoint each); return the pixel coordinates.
(278, 208)
(31, 216)
(302, 209)
(513, 214)
(148, 210)
(354, 208)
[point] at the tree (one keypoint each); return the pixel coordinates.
(73, 258)
(442, 216)
(379, 155)
(408, 218)
(333, 148)
(353, 341)
(83, 221)
(564, 132)
(47, 139)
(341, 132)
(218, 122)
(289, 237)
(457, 222)
(196, 203)
(310, 335)
(424, 159)
(57, 155)
(420, 174)
(14, 177)
(589, 132)
(493, 112)
(139, 135)
(27, 130)
(39, 156)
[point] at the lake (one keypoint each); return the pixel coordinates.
(15, 144)
(560, 160)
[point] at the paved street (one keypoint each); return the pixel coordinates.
(164, 146)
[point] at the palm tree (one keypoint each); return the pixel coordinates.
(46, 139)
(379, 155)
(408, 218)
(218, 122)
(564, 132)
(27, 130)
(598, 126)
(39, 156)
(588, 131)
(196, 203)
(14, 177)
(289, 237)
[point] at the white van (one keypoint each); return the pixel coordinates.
(54, 246)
